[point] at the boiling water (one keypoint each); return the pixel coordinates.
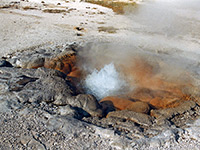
(104, 82)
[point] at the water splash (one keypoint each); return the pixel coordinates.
(104, 82)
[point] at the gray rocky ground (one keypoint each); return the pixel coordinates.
(41, 109)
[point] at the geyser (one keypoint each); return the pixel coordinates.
(113, 72)
(136, 81)
(104, 82)
(153, 63)
(157, 59)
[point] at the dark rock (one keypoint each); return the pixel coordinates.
(78, 28)
(4, 63)
(24, 80)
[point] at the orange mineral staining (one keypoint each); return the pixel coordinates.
(152, 89)
(63, 62)
(125, 104)
(117, 102)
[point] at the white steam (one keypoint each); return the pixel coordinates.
(164, 31)
(105, 82)
(167, 26)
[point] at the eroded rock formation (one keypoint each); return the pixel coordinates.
(45, 84)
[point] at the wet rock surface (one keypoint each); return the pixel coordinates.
(41, 109)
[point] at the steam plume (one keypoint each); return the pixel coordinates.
(160, 55)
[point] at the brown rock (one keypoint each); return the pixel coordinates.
(124, 104)
(117, 102)
(161, 103)
(64, 62)
(143, 94)
(75, 73)
(158, 99)
(140, 107)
